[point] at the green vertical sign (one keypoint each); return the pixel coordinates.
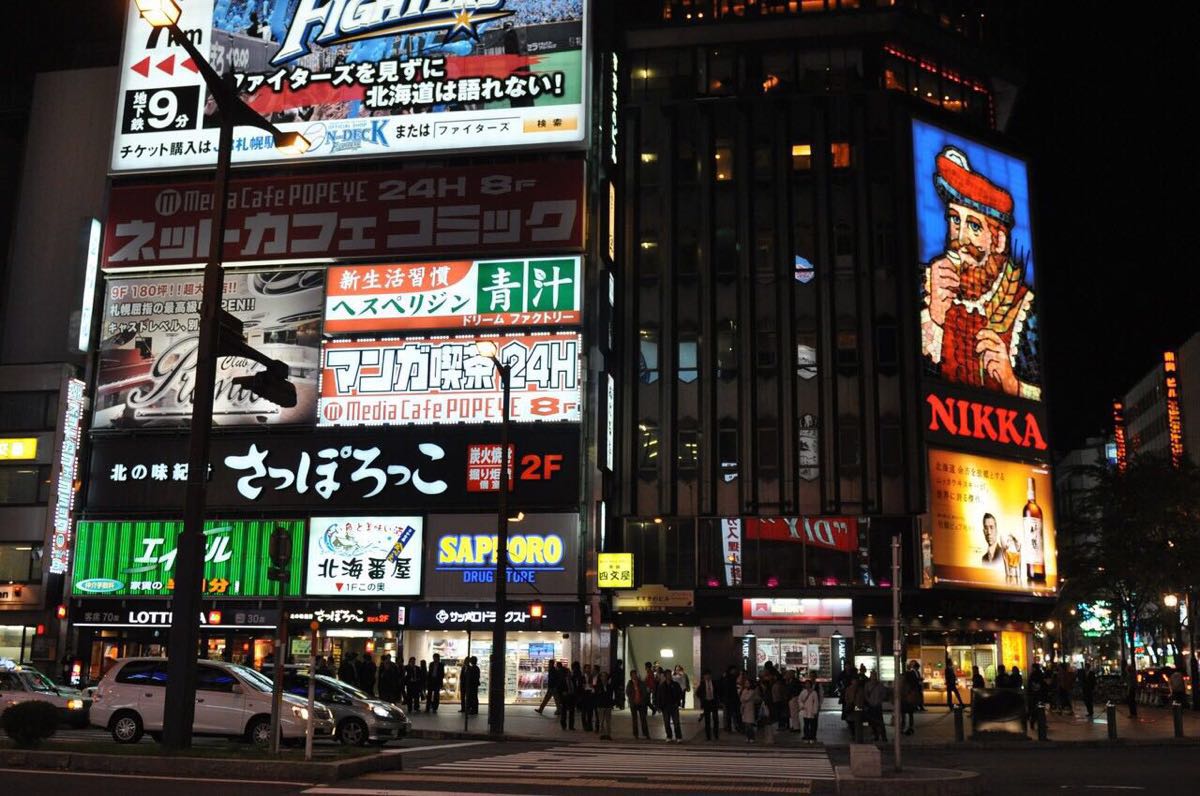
(552, 285)
(501, 287)
(124, 558)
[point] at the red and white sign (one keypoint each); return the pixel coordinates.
(464, 294)
(835, 533)
(519, 207)
(806, 610)
(416, 381)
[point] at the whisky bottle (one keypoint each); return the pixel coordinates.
(1035, 551)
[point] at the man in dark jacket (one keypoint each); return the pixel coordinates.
(729, 697)
(669, 696)
(470, 686)
(413, 685)
(348, 670)
(708, 697)
(389, 679)
(437, 673)
(366, 674)
(1089, 689)
(639, 699)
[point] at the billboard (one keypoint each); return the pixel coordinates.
(356, 78)
(364, 556)
(148, 346)
(980, 325)
(445, 380)
(543, 557)
(992, 525)
(466, 294)
(411, 469)
(123, 558)
(510, 207)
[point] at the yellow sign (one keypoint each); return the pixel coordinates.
(1012, 650)
(20, 448)
(615, 571)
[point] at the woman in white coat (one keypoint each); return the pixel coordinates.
(810, 710)
(749, 701)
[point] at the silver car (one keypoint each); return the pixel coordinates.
(357, 717)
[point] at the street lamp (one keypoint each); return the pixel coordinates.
(489, 350)
(219, 332)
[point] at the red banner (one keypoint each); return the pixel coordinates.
(516, 207)
(835, 533)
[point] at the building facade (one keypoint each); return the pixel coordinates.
(1161, 412)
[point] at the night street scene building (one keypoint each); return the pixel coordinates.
(767, 278)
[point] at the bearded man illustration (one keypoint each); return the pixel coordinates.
(978, 313)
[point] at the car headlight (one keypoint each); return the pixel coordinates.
(74, 704)
(300, 713)
(381, 711)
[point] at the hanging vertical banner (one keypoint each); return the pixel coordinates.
(65, 468)
(731, 539)
(1174, 414)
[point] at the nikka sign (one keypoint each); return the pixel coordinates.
(969, 422)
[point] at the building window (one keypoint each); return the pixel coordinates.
(808, 446)
(648, 258)
(890, 446)
(847, 350)
(727, 366)
(688, 455)
(767, 358)
(768, 448)
(723, 163)
(648, 449)
(28, 411)
(806, 356)
(20, 562)
(688, 365)
(839, 152)
(801, 157)
(648, 356)
(887, 351)
(839, 155)
(849, 445)
(24, 484)
(727, 448)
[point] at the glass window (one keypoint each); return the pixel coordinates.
(840, 154)
(849, 454)
(887, 347)
(648, 448)
(212, 678)
(25, 411)
(648, 356)
(890, 446)
(688, 369)
(768, 448)
(806, 356)
(727, 350)
(143, 673)
(648, 266)
(767, 359)
(727, 448)
(801, 157)
(20, 562)
(19, 485)
(723, 162)
(688, 455)
(808, 446)
(847, 352)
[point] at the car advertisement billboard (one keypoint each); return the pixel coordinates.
(507, 207)
(991, 525)
(356, 78)
(124, 558)
(415, 381)
(980, 325)
(364, 556)
(464, 294)
(150, 333)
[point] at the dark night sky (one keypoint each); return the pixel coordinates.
(1107, 118)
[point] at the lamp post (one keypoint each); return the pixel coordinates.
(489, 350)
(184, 638)
(1172, 601)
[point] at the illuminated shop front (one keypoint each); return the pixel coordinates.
(811, 635)
(966, 645)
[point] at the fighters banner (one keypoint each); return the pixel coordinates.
(445, 380)
(467, 294)
(512, 207)
(357, 79)
(410, 469)
(150, 331)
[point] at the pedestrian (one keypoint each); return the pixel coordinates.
(617, 681)
(951, 684)
(585, 699)
(348, 670)
(572, 685)
(323, 666)
(748, 702)
(668, 696)
(651, 681)
(729, 700)
(708, 697)
(1066, 683)
(795, 718)
(389, 679)
(1088, 685)
(604, 706)
(1002, 677)
(1035, 693)
(779, 698)
(810, 709)
(433, 683)
(875, 695)
(366, 674)
(1178, 687)
(977, 678)
(639, 699)
(684, 682)
(551, 676)
(910, 687)
(470, 686)
(1131, 686)
(413, 683)
(1014, 678)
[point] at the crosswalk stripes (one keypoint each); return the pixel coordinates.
(669, 762)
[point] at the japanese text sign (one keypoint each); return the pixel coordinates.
(124, 558)
(438, 380)
(806, 610)
(834, 533)
(514, 207)
(467, 294)
(62, 515)
(13, 449)
(364, 556)
(356, 78)
(148, 348)
(614, 570)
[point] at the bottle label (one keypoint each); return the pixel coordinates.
(1033, 541)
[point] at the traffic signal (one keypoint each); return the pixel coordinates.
(536, 612)
(280, 552)
(61, 613)
(272, 383)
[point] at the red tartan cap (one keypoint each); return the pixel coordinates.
(955, 182)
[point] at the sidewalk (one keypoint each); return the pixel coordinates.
(934, 727)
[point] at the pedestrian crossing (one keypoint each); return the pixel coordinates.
(648, 762)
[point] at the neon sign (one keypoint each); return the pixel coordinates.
(977, 420)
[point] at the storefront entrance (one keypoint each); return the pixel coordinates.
(528, 655)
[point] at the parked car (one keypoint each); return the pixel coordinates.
(231, 700)
(20, 683)
(357, 717)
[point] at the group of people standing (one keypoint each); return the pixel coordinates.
(585, 690)
(412, 684)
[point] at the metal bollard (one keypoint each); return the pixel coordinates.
(1110, 714)
(958, 724)
(1177, 714)
(1041, 721)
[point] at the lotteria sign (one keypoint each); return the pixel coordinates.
(542, 556)
(124, 558)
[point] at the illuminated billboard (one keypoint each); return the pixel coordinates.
(991, 525)
(148, 345)
(356, 78)
(421, 380)
(465, 294)
(364, 556)
(980, 325)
